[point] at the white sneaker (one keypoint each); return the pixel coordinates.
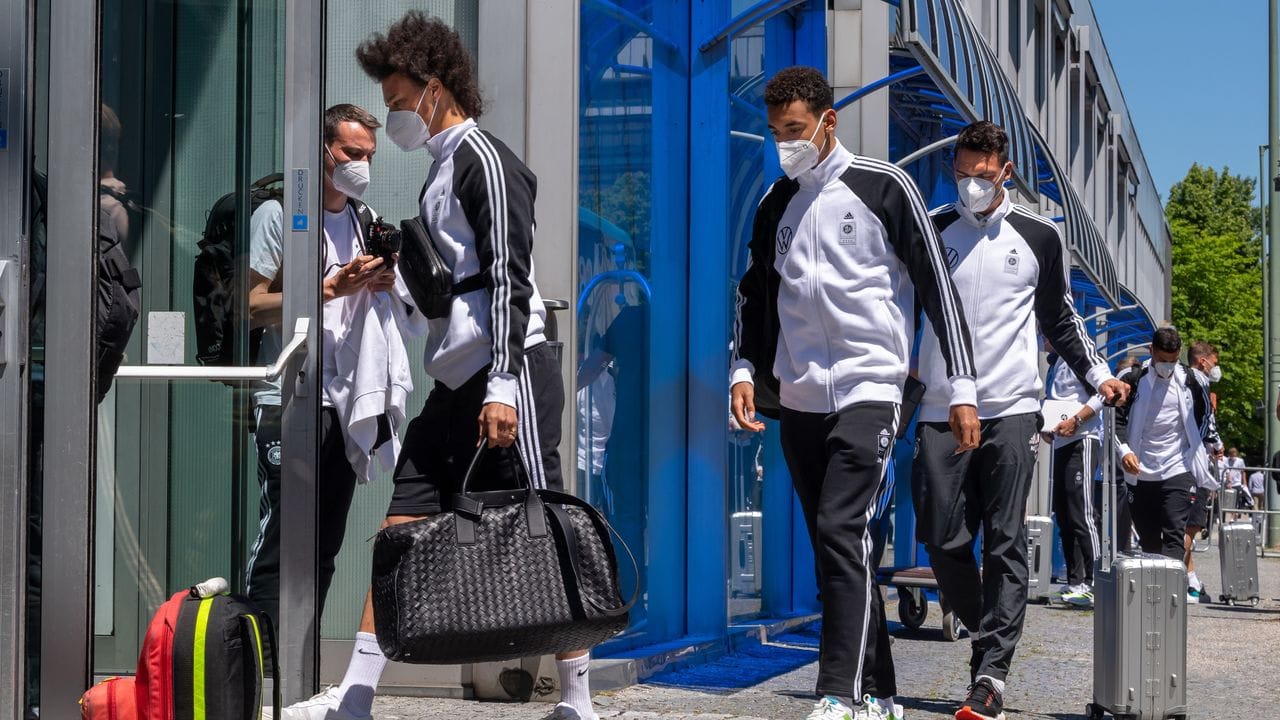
(872, 709)
(829, 708)
(325, 705)
(565, 711)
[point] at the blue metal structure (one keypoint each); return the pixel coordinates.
(674, 156)
(670, 100)
(940, 35)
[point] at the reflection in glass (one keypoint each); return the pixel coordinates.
(750, 132)
(615, 257)
(191, 93)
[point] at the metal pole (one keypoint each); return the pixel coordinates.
(304, 40)
(70, 411)
(1273, 271)
(15, 75)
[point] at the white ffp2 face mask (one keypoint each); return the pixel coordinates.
(799, 156)
(407, 129)
(1215, 374)
(1164, 369)
(351, 178)
(977, 194)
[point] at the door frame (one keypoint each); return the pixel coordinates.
(16, 37)
(70, 420)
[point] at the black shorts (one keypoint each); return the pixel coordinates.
(1199, 514)
(440, 442)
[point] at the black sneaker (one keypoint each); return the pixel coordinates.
(983, 703)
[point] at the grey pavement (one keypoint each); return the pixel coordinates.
(1232, 670)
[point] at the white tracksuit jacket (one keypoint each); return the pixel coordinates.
(1011, 273)
(827, 306)
(478, 204)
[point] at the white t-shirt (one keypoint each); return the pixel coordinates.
(1166, 440)
(1257, 483)
(1234, 473)
(266, 257)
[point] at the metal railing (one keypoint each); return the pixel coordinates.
(1264, 512)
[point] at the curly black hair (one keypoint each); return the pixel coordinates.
(423, 48)
(985, 137)
(799, 82)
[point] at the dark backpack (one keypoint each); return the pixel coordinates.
(118, 300)
(218, 290)
(119, 286)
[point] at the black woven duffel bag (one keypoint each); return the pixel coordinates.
(503, 575)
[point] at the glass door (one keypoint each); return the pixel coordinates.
(176, 406)
(190, 133)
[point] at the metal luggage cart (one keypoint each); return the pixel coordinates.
(914, 583)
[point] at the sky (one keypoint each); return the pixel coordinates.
(1194, 75)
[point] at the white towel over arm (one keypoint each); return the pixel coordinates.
(372, 377)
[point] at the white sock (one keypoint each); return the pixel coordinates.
(1193, 580)
(363, 672)
(575, 685)
(997, 684)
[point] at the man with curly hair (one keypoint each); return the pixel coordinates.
(496, 379)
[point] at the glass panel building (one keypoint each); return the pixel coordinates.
(644, 122)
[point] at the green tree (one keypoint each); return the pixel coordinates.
(1217, 291)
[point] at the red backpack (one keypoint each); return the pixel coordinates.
(203, 658)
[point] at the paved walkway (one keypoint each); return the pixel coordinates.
(1232, 669)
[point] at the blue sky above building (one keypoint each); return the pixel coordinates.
(1194, 76)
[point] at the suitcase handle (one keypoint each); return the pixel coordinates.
(1109, 490)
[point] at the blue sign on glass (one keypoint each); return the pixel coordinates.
(299, 222)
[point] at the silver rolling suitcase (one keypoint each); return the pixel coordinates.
(748, 554)
(1139, 622)
(1238, 552)
(1039, 558)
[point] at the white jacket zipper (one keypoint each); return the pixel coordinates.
(819, 305)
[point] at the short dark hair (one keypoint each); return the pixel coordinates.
(985, 137)
(1200, 349)
(423, 48)
(346, 112)
(799, 82)
(1166, 339)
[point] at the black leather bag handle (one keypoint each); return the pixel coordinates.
(561, 518)
(467, 507)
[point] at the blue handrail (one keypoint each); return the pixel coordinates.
(619, 275)
(635, 21)
(753, 15)
(885, 81)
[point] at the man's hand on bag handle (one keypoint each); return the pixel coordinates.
(743, 404)
(497, 425)
(1114, 392)
(1130, 464)
(965, 426)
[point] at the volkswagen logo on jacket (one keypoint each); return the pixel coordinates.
(784, 240)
